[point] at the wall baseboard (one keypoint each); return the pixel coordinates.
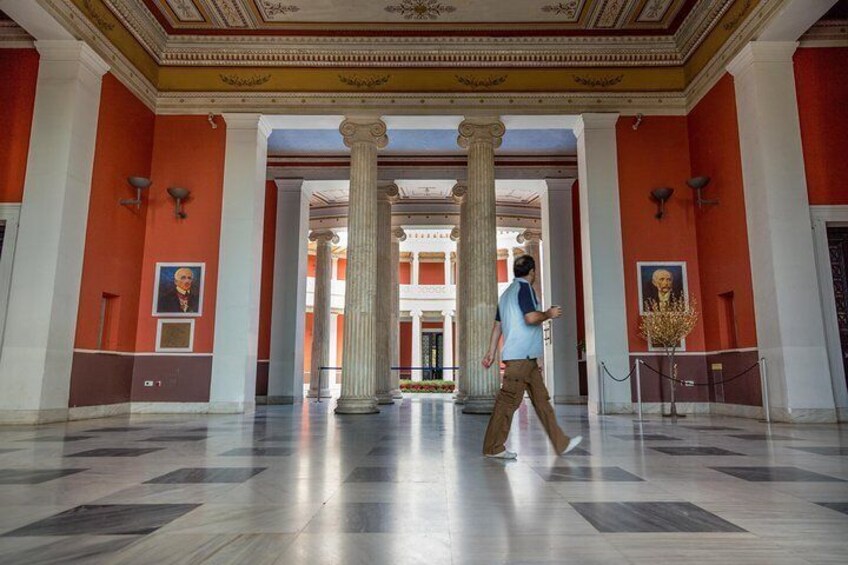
(98, 411)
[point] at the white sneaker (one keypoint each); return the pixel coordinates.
(503, 455)
(575, 441)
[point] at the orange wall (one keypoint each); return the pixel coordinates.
(310, 266)
(18, 77)
(267, 291)
(656, 155)
(186, 152)
(342, 269)
(431, 273)
(722, 233)
(115, 235)
(404, 272)
(307, 344)
(821, 81)
(405, 348)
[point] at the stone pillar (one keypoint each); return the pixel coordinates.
(233, 387)
(414, 279)
(333, 360)
(789, 319)
(398, 235)
(560, 288)
(447, 266)
(481, 136)
(288, 309)
(319, 381)
(459, 192)
(603, 261)
(364, 137)
(510, 262)
(447, 341)
(531, 240)
(335, 267)
(416, 344)
(386, 194)
(38, 344)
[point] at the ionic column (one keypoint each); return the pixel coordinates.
(447, 267)
(386, 193)
(481, 136)
(447, 344)
(416, 344)
(458, 193)
(43, 302)
(364, 137)
(335, 267)
(531, 239)
(398, 235)
(334, 347)
(414, 278)
(603, 261)
(788, 311)
(319, 381)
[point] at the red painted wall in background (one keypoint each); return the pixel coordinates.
(269, 244)
(656, 155)
(502, 274)
(431, 273)
(821, 82)
(578, 261)
(310, 265)
(307, 347)
(186, 152)
(115, 235)
(722, 233)
(19, 69)
(342, 269)
(404, 272)
(405, 348)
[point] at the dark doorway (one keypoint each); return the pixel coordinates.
(837, 241)
(431, 353)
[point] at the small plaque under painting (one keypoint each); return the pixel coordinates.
(176, 334)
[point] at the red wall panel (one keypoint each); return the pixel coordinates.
(269, 244)
(431, 273)
(18, 77)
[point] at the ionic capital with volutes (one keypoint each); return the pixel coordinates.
(530, 236)
(324, 237)
(364, 130)
(387, 192)
(399, 234)
(481, 130)
(458, 192)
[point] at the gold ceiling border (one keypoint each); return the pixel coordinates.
(368, 82)
(244, 82)
(737, 17)
(599, 82)
(485, 83)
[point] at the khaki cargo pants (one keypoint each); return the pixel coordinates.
(521, 375)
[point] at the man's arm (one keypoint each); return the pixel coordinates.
(536, 318)
(493, 345)
(527, 303)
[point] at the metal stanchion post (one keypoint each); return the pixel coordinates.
(639, 387)
(764, 387)
(601, 400)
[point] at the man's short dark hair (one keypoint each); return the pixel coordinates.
(523, 265)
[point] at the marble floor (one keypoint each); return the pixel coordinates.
(300, 485)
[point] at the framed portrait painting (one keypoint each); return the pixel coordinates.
(178, 289)
(662, 281)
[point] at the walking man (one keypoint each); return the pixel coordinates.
(520, 321)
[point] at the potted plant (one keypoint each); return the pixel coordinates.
(666, 326)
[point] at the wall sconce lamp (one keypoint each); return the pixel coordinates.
(698, 184)
(179, 195)
(139, 184)
(661, 195)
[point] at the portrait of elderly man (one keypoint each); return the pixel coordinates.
(661, 283)
(178, 290)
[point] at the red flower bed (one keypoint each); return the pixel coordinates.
(427, 386)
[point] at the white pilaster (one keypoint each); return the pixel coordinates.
(335, 275)
(790, 330)
(510, 262)
(35, 367)
(414, 279)
(559, 288)
(447, 266)
(447, 341)
(603, 261)
(239, 265)
(416, 345)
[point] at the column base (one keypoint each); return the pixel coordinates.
(385, 398)
(397, 394)
(237, 407)
(803, 415)
(281, 399)
(28, 417)
(357, 406)
(478, 405)
(459, 397)
(325, 393)
(612, 408)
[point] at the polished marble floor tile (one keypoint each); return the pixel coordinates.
(4, 451)
(630, 517)
(115, 452)
(762, 437)
(711, 428)
(825, 450)
(117, 429)
(258, 452)
(208, 475)
(50, 439)
(209, 549)
(838, 506)
(648, 437)
(168, 439)
(694, 450)
(776, 474)
(34, 476)
(126, 519)
(44, 550)
(582, 474)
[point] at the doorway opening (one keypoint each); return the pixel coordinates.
(432, 355)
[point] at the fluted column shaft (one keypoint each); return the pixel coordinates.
(416, 345)
(398, 235)
(382, 344)
(531, 240)
(459, 192)
(364, 137)
(481, 137)
(447, 345)
(319, 381)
